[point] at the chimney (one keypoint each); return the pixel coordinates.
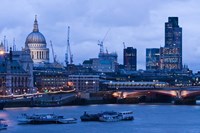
(10, 54)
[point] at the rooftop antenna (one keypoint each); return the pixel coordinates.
(4, 43)
(7, 45)
(14, 46)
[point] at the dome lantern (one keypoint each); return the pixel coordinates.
(35, 26)
(35, 37)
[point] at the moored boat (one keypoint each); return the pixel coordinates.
(95, 117)
(90, 117)
(44, 119)
(68, 121)
(24, 119)
(126, 115)
(110, 118)
(3, 125)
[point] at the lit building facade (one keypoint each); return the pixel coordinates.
(50, 77)
(85, 83)
(130, 58)
(16, 73)
(171, 53)
(152, 58)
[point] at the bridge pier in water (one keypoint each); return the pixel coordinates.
(155, 98)
(147, 98)
(181, 101)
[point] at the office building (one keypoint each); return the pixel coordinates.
(152, 58)
(85, 83)
(50, 77)
(171, 53)
(106, 62)
(130, 58)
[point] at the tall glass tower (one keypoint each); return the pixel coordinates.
(171, 53)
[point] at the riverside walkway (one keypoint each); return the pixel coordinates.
(40, 99)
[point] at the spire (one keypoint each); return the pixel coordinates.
(35, 26)
(1, 45)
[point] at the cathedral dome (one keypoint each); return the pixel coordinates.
(35, 38)
(36, 44)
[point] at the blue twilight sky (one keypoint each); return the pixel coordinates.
(138, 23)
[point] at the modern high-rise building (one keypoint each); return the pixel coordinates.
(152, 58)
(37, 45)
(130, 58)
(106, 62)
(171, 53)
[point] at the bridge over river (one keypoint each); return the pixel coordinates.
(183, 95)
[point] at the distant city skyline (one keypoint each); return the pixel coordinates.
(140, 24)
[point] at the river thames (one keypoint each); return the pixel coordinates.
(148, 119)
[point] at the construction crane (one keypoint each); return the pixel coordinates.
(14, 46)
(106, 51)
(68, 52)
(100, 43)
(54, 56)
(124, 45)
(4, 43)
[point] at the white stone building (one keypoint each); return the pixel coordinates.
(37, 45)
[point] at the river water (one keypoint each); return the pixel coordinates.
(148, 119)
